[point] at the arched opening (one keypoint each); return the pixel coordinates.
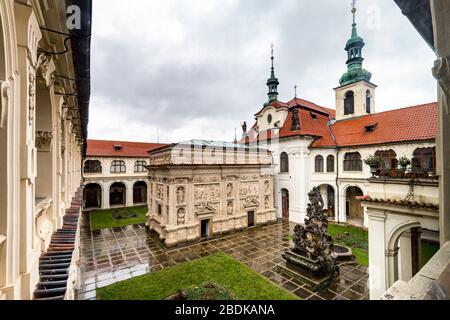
(117, 194)
(368, 102)
(328, 196)
(140, 192)
(405, 252)
(424, 159)
(118, 166)
(92, 166)
(388, 159)
(352, 161)
(353, 208)
(318, 164)
(349, 103)
(330, 163)
(284, 162)
(285, 204)
(139, 166)
(92, 196)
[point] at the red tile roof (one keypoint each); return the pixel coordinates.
(416, 123)
(407, 124)
(103, 148)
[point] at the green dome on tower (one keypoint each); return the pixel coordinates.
(354, 46)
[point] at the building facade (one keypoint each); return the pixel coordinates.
(314, 146)
(115, 174)
(43, 128)
(200, 189)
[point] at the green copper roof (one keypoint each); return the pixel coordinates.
(354, 46)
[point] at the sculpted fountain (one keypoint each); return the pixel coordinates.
(314, 256)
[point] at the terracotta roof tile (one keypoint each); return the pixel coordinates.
(407, 124)
(104, 148)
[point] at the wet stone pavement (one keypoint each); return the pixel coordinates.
(112, 255)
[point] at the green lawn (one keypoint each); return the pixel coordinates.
(241, 281)
(102, 219)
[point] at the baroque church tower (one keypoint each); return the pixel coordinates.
(355, 96)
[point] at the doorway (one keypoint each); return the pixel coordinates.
(285, 204)
(251, 218)
(205, 229)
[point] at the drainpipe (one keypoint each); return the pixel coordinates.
(337, 172)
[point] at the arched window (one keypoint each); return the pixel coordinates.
(139, 166)
(368, 101)
(118, 166)
(352, 161)
(330, 163)
(425, 159)
(349, 103)
(92, 166)
(284, 163)
(388, 159)
(319, 164)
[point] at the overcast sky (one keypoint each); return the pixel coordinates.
(198, 68)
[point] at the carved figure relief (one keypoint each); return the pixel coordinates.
(266, 186)
(267, 202)
(230, 208)
(159, 192)
(181, 216)
(4, 95)
(209, 192)
(181, 195)
(230, 190)
(248, 189)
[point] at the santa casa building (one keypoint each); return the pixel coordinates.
(317, 146)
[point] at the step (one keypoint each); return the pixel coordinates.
(50, 298)
(49, 266)
(54, 277)
(47, 293)
(42, 285)
(51, 272)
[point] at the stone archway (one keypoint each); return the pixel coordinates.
(353, 209)
(328, 195)
(117, 194)
(403, 253)
(140, 192)
(92, 196)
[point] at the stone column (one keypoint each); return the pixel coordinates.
(105, 196)
(405, 257)
(441, 15)
(129, 200)
(377, 254)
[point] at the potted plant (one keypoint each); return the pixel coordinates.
(404, 163)
(374, 163)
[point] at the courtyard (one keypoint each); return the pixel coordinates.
(113, 255)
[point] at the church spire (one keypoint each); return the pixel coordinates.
(354, 47)
(272, 82)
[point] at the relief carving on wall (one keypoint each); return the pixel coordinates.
(181, 216)
(159, 192)
(181, 195)
(441, 71)
(4, 95)
(267, 202)
(266, 186)
(206, 208)
(206, 193)
(249, 201)
(31, 94)
(43, 139)
(230, 208)
(248, 189)
(230, 190)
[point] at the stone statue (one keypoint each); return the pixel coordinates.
(230, 208)
(295, 120)
(180, 195)
(229, 190)
(181, 214)
(311, 240)
(244, 128)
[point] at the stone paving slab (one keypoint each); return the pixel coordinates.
(117, 254)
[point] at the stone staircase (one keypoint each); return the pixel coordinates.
(57, 264)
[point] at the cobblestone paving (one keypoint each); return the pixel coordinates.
(117, 254)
